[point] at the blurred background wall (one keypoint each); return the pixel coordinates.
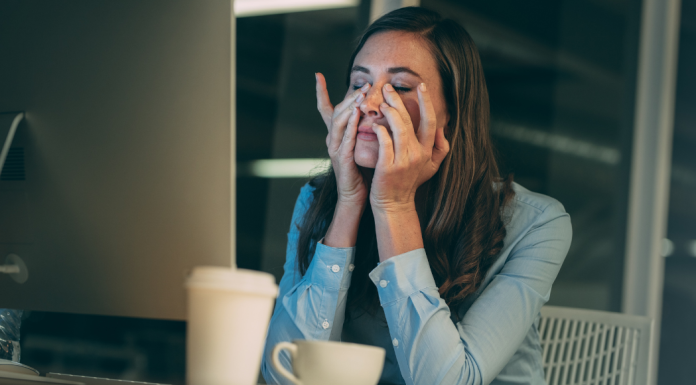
(562, 81)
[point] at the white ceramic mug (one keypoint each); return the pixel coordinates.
(228, 315)
(326, 362)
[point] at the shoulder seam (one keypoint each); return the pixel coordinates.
(538, 207)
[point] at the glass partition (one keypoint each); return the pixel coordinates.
(561, 78)
(277, 119)
(679, 297)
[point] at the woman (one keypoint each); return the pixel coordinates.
(412, 241)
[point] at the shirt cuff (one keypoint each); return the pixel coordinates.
(331, 266)
(400, 276)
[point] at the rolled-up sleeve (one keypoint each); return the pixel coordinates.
(430, 348)
(310, 307)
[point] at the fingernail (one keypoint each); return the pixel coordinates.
(384, 105)
(360, 98)
(365, 87)
(388, 87)
(316, 76)
(422, 87)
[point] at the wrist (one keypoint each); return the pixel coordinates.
(343, 230)
(350, 206)
(398, 231)
(394, 208)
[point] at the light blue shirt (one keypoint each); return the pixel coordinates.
(496, 340)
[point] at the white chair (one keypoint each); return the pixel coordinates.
(586, 347)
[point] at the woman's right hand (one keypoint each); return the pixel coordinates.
(342, 123)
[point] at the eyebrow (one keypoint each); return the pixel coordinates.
(393, 70)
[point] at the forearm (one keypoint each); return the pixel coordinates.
(398, 231)
(343, 230)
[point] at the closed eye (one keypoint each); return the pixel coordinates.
(398, 89)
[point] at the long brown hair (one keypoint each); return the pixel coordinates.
(464, 200)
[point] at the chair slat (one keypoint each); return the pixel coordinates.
(634, 353)
(572, 340)
(618, 347)
(558, 358)
(594, 341)
(608, 347)
(577, 359)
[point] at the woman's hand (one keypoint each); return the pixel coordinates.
(410, 158)
(342, 123)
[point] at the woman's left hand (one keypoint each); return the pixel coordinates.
(410, 158)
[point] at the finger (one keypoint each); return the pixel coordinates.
(428, 120)
(351, 132)
(355, 96)
(394, 100)
(441, 148)
(399, 131)
(323, 102)
(386, 146)
(338, 128)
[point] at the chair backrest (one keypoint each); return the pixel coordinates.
(594, 347)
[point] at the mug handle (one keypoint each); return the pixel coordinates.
(276, 361)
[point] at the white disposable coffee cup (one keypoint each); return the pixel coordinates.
(326, 362)
(228, 315)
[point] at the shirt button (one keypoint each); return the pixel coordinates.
(395, 342)
(351, 267)
(383, 283)
(335, 268)
(325, 324)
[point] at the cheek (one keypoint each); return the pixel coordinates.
(413, 112)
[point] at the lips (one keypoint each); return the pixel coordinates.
(366, 133)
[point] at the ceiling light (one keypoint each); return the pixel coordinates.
(667, 247)
(283, 168)
(244, 8)
(691, 246)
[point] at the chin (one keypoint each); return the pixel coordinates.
(366, 157)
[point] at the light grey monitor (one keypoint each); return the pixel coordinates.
(125, 151)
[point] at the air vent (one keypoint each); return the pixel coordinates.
(14, 165)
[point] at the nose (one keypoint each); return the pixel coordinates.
(373, 98)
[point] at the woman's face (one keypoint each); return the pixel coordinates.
(404, 61)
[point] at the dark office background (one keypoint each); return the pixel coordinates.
(561, 77)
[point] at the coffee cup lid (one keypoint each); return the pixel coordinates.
(225, 278)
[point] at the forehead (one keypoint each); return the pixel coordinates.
(397, 49)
